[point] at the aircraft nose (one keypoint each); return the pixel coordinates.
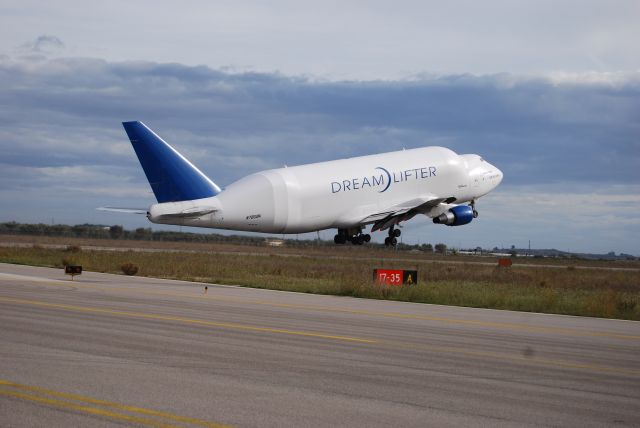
(500, 176)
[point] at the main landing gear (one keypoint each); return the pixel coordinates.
(355, 236)
(392, 239)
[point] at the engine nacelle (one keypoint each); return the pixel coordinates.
(456, 216)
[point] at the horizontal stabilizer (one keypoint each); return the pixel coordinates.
(195, 212)
(124, 210)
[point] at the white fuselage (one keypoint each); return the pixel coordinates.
(335, 194)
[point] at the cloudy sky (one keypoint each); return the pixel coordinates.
(547, 91)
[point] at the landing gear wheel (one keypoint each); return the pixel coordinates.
(387, 241)
(397, 233)
(393, 241)
(357, 240)
(472, 204)
(366, 237)
(339, 239)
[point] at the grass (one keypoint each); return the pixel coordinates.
(354, 252)
(593, 292)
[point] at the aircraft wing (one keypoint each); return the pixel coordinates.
(403, 211)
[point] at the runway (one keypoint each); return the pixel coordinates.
(107, 350)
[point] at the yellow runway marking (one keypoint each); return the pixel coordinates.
(446, 320)
(39, 395)
(509, 326)
(391, 344)
(186, 320)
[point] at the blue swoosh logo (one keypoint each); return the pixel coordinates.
(388, 179)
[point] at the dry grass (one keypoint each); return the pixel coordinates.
(350, 251)
(593, 292)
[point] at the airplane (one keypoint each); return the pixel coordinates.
(380, 190)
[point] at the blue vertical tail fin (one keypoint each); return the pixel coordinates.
(171, 176)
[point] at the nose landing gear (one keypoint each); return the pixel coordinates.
(472, 204)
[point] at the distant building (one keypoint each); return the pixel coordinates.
(274, 242)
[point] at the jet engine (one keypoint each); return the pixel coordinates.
(456, 216)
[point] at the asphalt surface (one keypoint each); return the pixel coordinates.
(107, 350)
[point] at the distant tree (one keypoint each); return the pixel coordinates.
(428, 248)
(61, 230)
(441, 248)
(79, 230)
(142, 234)
(116, 232)
(11, 226)
(32, 229)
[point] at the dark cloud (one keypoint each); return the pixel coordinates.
(537, 129)
(552, 132)
(44, 44)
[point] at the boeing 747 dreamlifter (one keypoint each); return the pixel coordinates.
(381, 190)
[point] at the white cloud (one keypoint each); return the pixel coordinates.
(576, 209)
(617, 79)
(343, 40)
